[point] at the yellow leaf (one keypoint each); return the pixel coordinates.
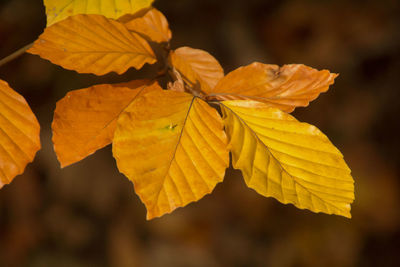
(288, 160)
(284, 87)
(173, 147)
(198, 68)
(19, 134)
(85, 119)
(153, 26)
(93, 44)
(57, 10)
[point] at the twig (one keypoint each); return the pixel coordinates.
(15, 54)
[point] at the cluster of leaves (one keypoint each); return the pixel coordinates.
(172, 143)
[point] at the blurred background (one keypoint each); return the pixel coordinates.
(88, 214)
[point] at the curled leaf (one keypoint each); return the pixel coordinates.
(93, 44)
(19, 134)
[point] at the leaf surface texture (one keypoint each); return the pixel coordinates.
(173, 147)
(85, 119)
(93, 44)
(286, 87)
(291, 161)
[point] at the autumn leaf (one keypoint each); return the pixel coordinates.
(85, 119)
(93, 44)
(286, 87)
(173, 147)
(19, 134)
(198, 68)
(291, 161)
(153, 26)
(58, 10)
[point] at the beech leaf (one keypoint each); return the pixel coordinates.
(197, 67)
(85, 119)
(93, 44)
(57, 10)
(153, 26)
(19, 134)
(291, 161)
(173, 147)
(286, 87)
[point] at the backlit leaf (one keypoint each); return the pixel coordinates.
(93, 44)
(173, 147)
(284, 87)
(153, 26)
(291, 161)
(85, 119)
(19, 134)
(198, 68)
(57, 10)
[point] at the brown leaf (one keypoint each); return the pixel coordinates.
(285, 88)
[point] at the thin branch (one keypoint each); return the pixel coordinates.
(15, 54)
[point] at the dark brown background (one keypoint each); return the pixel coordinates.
(88, 214)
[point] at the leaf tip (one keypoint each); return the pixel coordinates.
(150, 216)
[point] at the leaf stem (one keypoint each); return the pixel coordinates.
(15, 55)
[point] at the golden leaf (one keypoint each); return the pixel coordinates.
(19, 134)
(285, 88)
(291, 161)
(85, 119)
(198, 68)
(173, 147)
(153, 26)
(93, 44)
(57, 10)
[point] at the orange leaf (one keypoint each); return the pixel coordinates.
(85, 119)
(93, 44)
(285, 88)
(153, 26)
(198, 68)
(173, 147)
(19, 134)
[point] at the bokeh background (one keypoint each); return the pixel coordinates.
(88, 214)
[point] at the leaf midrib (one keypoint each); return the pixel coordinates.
(174, 153)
